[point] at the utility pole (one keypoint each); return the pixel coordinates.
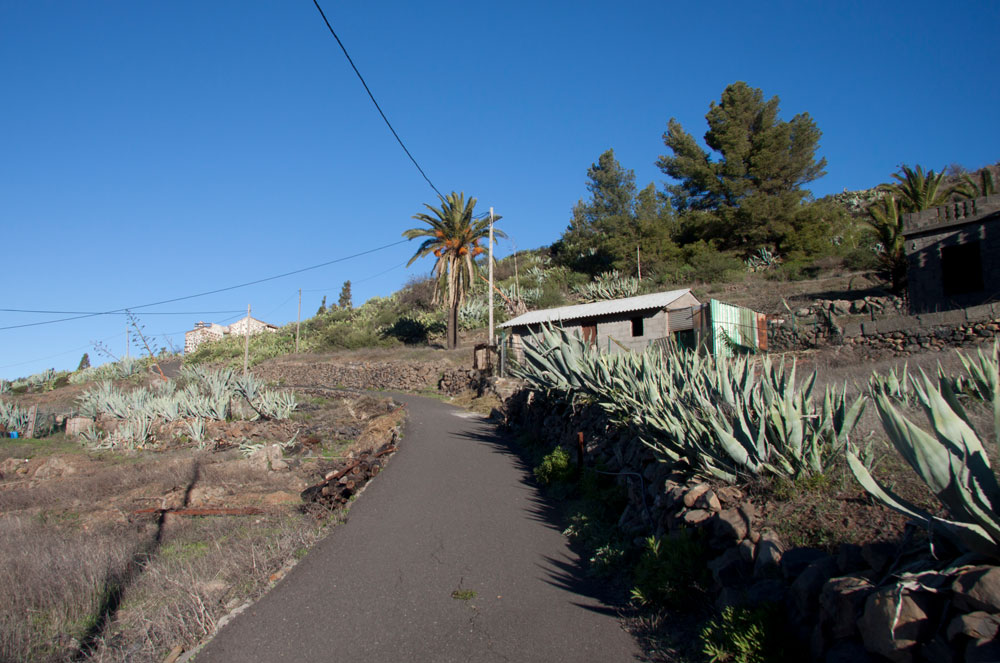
(638, 259)
(246, 343)
(491, 279)
(298, 322)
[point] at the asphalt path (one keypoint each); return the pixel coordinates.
(450, 554)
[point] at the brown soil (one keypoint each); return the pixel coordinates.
(112, 556)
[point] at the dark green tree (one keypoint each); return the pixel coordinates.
(322, 307)
(345, 296)
(749, 192)
(606, 230)
(84, 362)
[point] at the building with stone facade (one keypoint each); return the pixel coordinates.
(953, 255)
(210, 331)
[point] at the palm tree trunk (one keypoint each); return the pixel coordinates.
(453, 325)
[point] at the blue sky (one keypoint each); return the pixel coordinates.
(152, 150)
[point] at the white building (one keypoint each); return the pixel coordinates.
(205, 331)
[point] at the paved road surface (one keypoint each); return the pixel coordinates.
(451, 512)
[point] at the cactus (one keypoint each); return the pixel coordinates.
(610, 285)
(951, 461)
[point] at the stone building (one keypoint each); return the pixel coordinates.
(953, 255)
(631, 323)
(205, 331)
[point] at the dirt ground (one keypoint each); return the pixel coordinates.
(114, 556)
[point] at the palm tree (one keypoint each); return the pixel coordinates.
(970, 188)
(453, 235)
(885, 218)
(917, 190)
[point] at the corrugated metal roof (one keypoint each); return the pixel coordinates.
(609, 307)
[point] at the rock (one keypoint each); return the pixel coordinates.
(849, 558)
(693, 493)
(729, 494)
(268, 458)
(840, 307)
(859, 306)
(978, 588)
(879, 556)
(983, 651)
(54, 467)
(709, 501)
(729, 568)
(850, 651)
(841, 601)
(673, 495)
(893, 625)
(795, 560)
(696, 516)
(976, 625)
(936, 650)
(729, 526)
(769, 550)
(804, 592)
(13, 466)
(746, 548)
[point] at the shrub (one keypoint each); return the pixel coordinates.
(748, 635)
(672, 573)
(554, 468)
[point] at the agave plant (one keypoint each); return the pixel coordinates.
(610, 285)
(952, 462)
(984, 375)
(895, 386)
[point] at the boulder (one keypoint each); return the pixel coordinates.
(893, 624)
(976, 625)
(729, 527)
(977, 588)
(54, 467)
(795, 560)
(769, 550)
(693, 493)
(729, 568)
(804, 592)
(841, 601)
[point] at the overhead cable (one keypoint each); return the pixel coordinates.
(372, 97)
(209, 292)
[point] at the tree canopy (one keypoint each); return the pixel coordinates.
(749, 191)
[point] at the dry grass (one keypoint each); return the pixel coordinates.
(58, 579)
(88, 577)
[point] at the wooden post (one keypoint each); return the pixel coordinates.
(246, 344)
(638, 260)
(298, 322)
(491, 281)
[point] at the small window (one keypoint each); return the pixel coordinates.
(637, 328)
(961, 269)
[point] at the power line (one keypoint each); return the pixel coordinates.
(209, 292)
(25, 310)
(372, 97)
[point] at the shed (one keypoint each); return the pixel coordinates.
(614, 325)
(953, 255)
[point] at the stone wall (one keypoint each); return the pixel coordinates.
(878, 335)
(382, 376)
(855, 605)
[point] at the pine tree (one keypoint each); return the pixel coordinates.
(751, 192)
(84, 362)
(345, 296)
(322, 307)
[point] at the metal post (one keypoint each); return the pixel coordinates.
(246, 343)
(298, 322)
(491, 343)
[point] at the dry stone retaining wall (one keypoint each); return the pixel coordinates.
(832, 323)
(392, 376)
(848, 606)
